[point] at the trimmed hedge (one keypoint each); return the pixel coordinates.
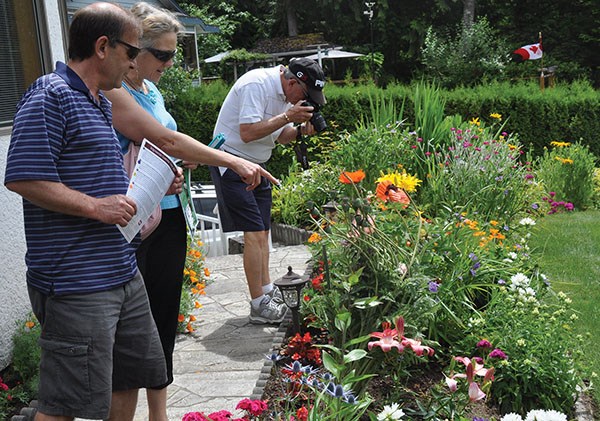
(565, 113)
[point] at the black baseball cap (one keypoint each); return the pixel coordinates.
(309, 72)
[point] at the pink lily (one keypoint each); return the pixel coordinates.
(394, 338)
(478, 368)
(475, 393)
(452, 384)
(416, 346)
(413, 344)
(387, 338)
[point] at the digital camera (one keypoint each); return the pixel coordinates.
(317, 119)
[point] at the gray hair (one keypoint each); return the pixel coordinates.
(155, 22)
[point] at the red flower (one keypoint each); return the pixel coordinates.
(352, 177)
(253, 407)
(386, 191)
(302, 414)
(317, 282)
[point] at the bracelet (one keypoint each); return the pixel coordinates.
(298, 132)
(286, 117)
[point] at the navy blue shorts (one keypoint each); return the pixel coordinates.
(239, 209)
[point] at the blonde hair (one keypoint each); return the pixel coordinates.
(155, 22)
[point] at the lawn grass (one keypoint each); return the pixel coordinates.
(569, 245)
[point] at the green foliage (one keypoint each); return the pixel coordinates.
(476, 54)
(319, 184)
(372, 66)
(20, 382)
(537, 338)
(176, 80)
(564, 112)
(568, 170)
(478, 172)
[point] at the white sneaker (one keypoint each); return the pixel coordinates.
(267, 312)
(275, 295)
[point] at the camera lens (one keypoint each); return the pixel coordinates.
(317, 120)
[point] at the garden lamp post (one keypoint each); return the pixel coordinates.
(291, 285)
(369, 13)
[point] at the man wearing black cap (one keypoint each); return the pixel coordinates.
(263, 107)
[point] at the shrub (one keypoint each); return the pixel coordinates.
(477, 53)
(568, 171)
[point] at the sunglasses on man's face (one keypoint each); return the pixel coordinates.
(132, 51)
(162, 55)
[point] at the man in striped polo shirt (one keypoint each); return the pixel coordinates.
(99, 341)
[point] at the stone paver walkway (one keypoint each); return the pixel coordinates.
(219, 364)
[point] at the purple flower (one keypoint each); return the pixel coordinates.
(484, 343)
(529, 176)
(535, 206)
(473, 257)
(498, 353)
(433, 286)
(501, 282)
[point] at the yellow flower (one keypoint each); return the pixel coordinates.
(496, 116)
(564, 160)
(493, 223)
(314, 238)
(560, 144)
(496, 234)
(475, 121)
(403, 181)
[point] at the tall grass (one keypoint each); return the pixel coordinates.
(570, 256)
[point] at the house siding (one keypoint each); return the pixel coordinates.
(14, 300)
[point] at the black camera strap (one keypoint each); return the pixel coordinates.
(301, 149)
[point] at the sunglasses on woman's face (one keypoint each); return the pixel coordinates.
(162, 55)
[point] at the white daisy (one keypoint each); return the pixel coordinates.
(511, 417)
(527, 221)
(390, 413)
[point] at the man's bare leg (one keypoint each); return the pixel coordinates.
(256, 261)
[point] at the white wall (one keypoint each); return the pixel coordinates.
(14, 301)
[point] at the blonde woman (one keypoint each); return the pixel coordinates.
(139, 112)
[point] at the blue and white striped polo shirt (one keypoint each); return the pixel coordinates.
(62, 134)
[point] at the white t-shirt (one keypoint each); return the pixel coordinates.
(256, 96)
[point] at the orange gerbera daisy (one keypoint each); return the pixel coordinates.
(388, 192)
(353, 177)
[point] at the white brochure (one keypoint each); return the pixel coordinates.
(154, 172)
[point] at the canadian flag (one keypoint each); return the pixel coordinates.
(529, 52)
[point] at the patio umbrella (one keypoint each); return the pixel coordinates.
(216, 58)
(333, 54)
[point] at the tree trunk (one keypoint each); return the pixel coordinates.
(468, 13)
(292, 22)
